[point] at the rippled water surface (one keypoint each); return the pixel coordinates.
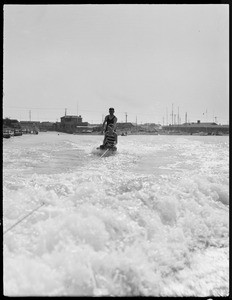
(151, 220)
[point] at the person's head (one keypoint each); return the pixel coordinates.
(111, 110)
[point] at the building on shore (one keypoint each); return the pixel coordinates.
(29, 126)
(48, 126)
(36, 126)
(11, 127)
(71, 124)
(199, 128)
(133, 128)
(125, 128)
(11, 123)
(84, 129)
(68, 124)
(150, 128)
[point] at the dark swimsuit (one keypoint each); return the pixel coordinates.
(109, 141)
(109, 121)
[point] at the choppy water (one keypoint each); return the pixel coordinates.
(152, 220)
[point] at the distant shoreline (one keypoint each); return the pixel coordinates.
(150, 133)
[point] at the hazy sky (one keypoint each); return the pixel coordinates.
(139, 59)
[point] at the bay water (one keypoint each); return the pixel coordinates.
(150, 220)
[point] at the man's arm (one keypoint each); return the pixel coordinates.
(103, 125)
(115, 122)
(116, 138)
(104, 141)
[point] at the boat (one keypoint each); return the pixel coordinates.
(17, 132)
(6, 133)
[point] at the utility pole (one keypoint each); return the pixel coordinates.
(30, 115)
(126, 117)
(186, 117)
(166, 116)
(65, 111)
(172, 113)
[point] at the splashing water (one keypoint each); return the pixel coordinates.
(151, 220)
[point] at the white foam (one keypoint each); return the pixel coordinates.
(141, 222)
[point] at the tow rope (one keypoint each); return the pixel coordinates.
(23, 218)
